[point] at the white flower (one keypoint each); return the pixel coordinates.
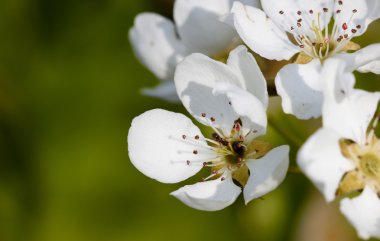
(229, 98)
(343, 157)
(161, 44)
(301, 31)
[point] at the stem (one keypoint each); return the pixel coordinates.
(295, 170)
(272, 90)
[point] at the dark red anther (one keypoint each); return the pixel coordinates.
(195, 152)
(358, 26)
(355, 11)
(325, 10)
(302, 46)
(311, 11)
(344, 26)
(184, 137)
(188, 162)
(222, 179)
(212, 119)
(345, 36)
(299, 12)
(281, 12)
(215, 136)
(340, 2)
(299, 25)
(204, 164)
(338, 11)
(237, 126)
(203, 114)
(353, 30)
(196, 137)
(224, 142)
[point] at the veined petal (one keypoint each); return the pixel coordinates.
(195, 80)
(321, 160)
(243, 63)
(161, 142)
(247, 107)
(364, 60)
(364, 213)
(300, 89)
(155, 43)
(210, 195)
(357, 13)
(292, 10)
(199, 26)
(346, 110)
(266, 173)
(165, 90)
(261, 34)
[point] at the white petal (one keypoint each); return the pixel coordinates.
(266, 173)
(289, 17)
(199, 26)
(157, 149)
(243, 63)
(367, 12)
(210, 195)
(364, 213)
(346, 110)
(155, 43)
(352, 116)
(252, 3)
(165, 90)
(321, 160)
(364, 60)
(373, 67)
(249, 109)
(195, 79)
(261, 34)
(300, 89)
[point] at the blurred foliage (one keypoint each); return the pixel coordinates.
(69, 88)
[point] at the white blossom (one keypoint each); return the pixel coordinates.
(160, 44)
(231, 100)
(308, 32)
(343, 157)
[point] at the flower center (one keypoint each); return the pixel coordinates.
(366, 159)
(370, 165)
(231, 152)
(309, 29)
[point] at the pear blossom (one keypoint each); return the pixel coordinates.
(307, 33)
(229, 99)
(160, 44)
(343, 157)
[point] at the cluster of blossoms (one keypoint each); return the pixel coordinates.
(203, 61)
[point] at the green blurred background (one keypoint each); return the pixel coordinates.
(69, 88)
